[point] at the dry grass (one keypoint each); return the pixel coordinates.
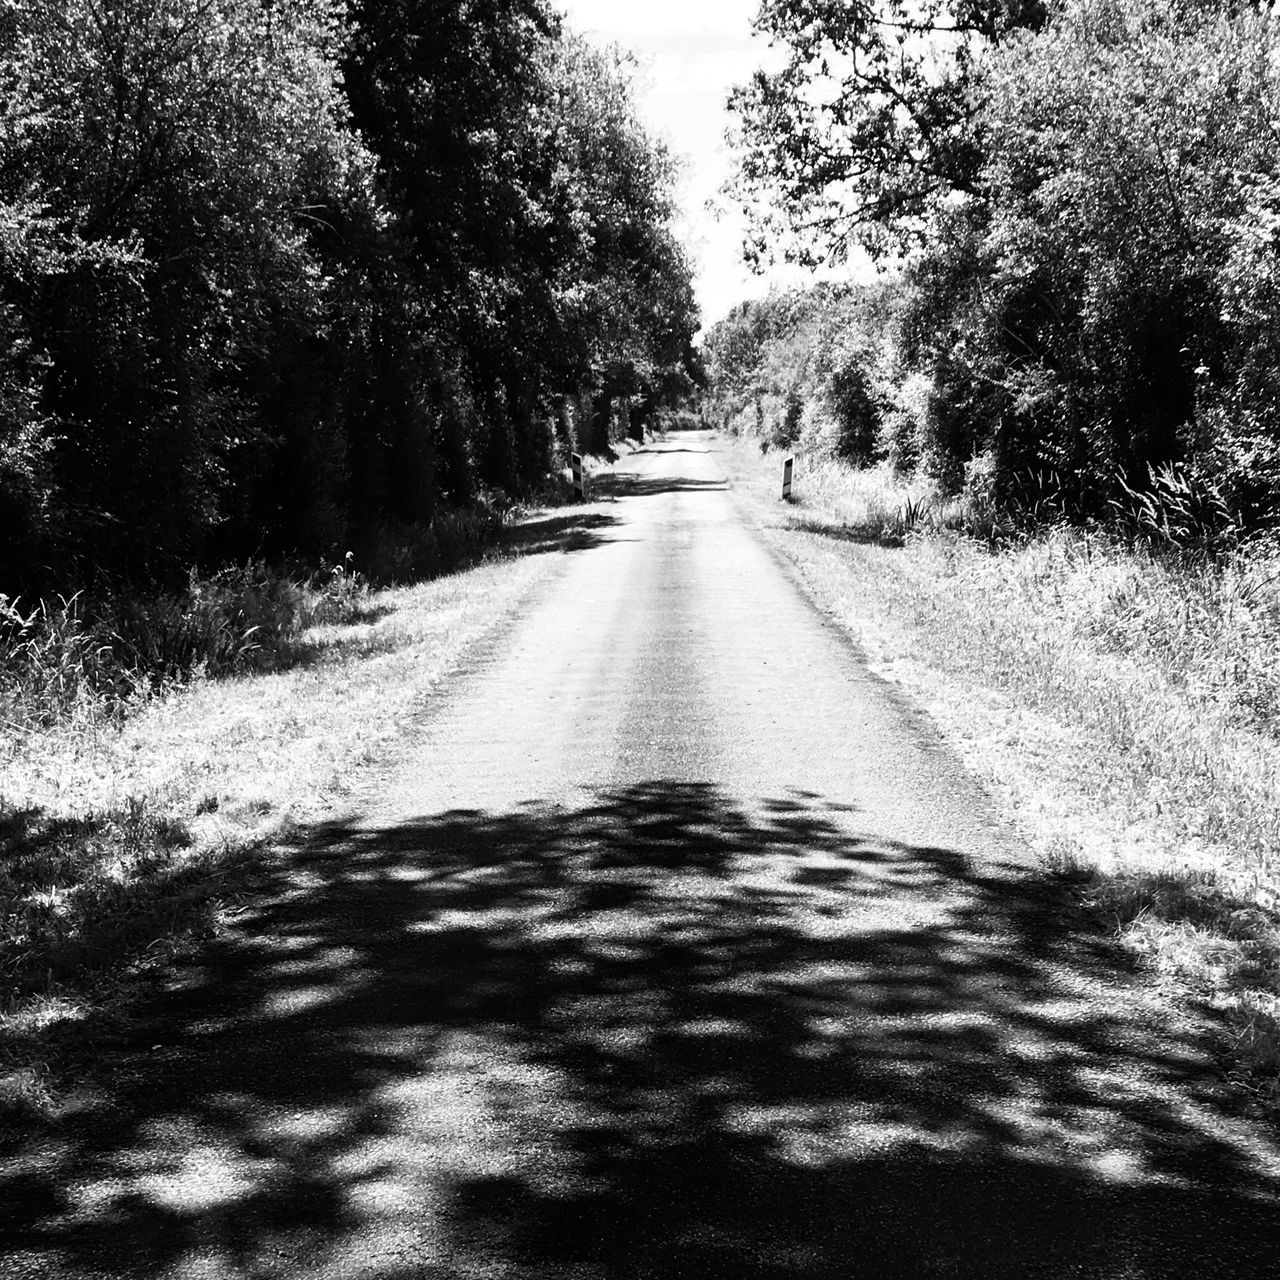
(122, 834)
(1126, 706)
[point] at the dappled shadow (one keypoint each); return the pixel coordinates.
(658, 1034)
(85, 893)
(576, 530)
(1202, 909)
(626, 484)
(867, 533)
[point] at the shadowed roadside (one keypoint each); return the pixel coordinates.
(662, 1033)
(629, 484)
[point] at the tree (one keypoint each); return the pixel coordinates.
(867, 123)
(1082, 300)
(802, 368)
(171, 148)
(286, 277)
(538, 209)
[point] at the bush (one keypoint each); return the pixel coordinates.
(82, 658)
(239, 618)
(455, 538)
(902, 428)
(849, 398)
(1110, 305)
(56, 661)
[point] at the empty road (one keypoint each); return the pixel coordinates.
(680, 947)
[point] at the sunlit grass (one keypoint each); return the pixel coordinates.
(875, 505)
(122, 833)
(1126, 705)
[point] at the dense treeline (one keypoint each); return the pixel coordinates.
(293, 277)
(1082, 200)
(810, 367)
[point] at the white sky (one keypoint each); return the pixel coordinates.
(692, 52)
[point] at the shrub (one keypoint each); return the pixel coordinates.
(1179, 511)
(848, 395)
(238, 618)
(454, 538)
(56, 660)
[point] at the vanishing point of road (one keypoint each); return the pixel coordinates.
(680, 947)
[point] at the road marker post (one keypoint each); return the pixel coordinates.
(579, 485)
(787, 468)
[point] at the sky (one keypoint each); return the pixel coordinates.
(692, 53)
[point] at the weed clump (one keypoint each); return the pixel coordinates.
(84, 659)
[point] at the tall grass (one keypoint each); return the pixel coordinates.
(89, 660)
(133, 799)
(1155, 643)
(876, 504)
(1168, 655)
(1168, 663)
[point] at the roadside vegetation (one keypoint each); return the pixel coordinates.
(300, 304)
(1120, 697)
(285, 279)
(1038, 451)
(134, 809)
(1076, 206)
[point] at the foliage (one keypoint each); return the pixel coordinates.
(1174, 511)
(803, 367)
(159, 155)
(1096, 296)
(1089, 303)
(279, 276)
(866, 123)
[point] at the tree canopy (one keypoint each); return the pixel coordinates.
(1083, 200)
(284, 276)
(868, 120)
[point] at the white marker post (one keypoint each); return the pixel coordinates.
(787, 467)
(579, 485)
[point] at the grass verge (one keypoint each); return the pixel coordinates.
(124, 835)
(1124, 707)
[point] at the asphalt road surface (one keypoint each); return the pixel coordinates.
(681, 948)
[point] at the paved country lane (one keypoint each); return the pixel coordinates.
(680, 948)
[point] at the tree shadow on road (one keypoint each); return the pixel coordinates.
(667, 451)
(576, 531)
(626, 484)
(658, 1034)
(874, 533)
